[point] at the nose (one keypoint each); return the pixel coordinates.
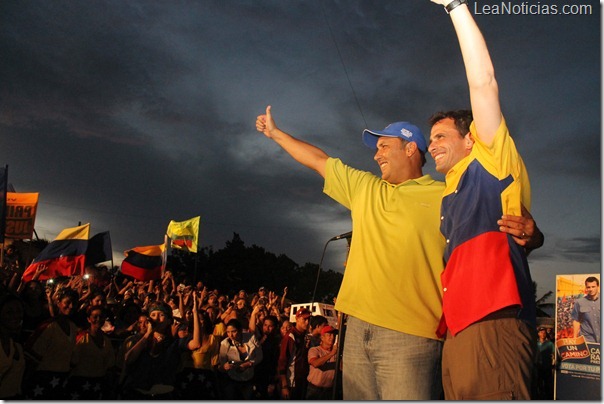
(377, 154)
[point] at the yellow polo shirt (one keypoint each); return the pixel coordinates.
(392, 277)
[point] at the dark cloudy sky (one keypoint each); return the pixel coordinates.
(128, 114)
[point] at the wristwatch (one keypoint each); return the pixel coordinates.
(449, 7)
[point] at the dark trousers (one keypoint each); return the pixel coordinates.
(318, 393)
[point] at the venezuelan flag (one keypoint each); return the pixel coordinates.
(144, 263)
(184, 234)
(64, 256)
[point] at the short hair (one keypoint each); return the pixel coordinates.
(462, 118)
(235, 324)
(90, 309)
(272, 319)
(318, 320)
(422, 155)
(592, 279)
(70, 293)
(207, 326)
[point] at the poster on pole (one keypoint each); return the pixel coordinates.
(577, 337)
(20, 215)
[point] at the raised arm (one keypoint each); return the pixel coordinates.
(195, 342)
(304, 153)
(484, 93)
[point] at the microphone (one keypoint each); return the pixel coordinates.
(341, 236)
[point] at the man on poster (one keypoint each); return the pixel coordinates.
(586, 312)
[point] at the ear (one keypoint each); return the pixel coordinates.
(410, 149)
(469, 141)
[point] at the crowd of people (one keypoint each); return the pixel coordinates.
(100, 336)
(564, 320)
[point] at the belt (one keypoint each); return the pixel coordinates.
(506, 312)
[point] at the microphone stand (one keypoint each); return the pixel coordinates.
(319, 274)
(347, 236)
(337, 380)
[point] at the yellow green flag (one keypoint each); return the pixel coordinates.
(184, 235)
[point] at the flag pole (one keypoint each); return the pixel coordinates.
(164, 258)
(196, 256)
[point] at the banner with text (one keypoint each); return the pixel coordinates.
(20, 215)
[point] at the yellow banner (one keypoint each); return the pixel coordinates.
(20, 215)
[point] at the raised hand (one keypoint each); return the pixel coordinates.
(265, 123)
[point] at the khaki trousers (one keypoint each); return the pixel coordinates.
(490, 360)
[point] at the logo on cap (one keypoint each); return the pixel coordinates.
(407, 133)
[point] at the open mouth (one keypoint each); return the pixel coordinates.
(438, 156)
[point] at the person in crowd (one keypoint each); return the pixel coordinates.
(273, 304)
(174, 302)
(12, 358)
(199, 286)
(51, 347)
(239, 353)
(187, 295)
(586, 312)
(35, 305)
(12, 260)
(132, 334)
(152, 363)
(219, 325)
(265, 374)
(322, 361)
(93, 361)
(229, 313)
(94, 298)
(285, 307)
(286, 327)
(316, 324)
(292, 365)
(211, 302)
(168, 284)
(149, 297)
(243, 311)
(236, 310)
(128, 313)
(544, 367)
(257, 317)
(242, 294)
(197, 380)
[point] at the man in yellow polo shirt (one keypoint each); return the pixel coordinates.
(391, 289)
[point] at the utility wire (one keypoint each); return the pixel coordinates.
(333, 38)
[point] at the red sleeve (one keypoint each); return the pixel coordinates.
(287, 344)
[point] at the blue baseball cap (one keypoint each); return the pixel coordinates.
(404, 130)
